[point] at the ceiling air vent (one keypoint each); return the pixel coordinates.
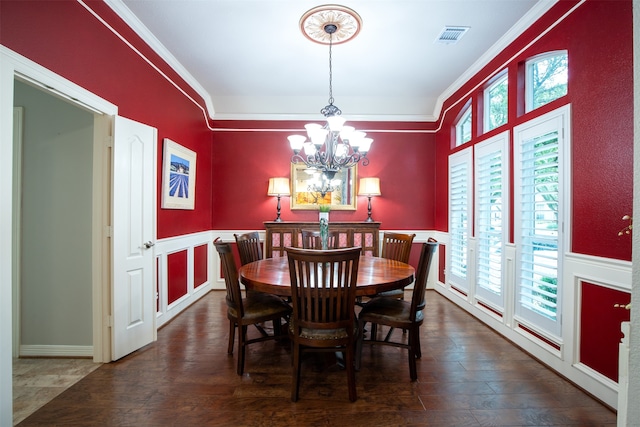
(451, 35)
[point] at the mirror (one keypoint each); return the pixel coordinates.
(303, 196)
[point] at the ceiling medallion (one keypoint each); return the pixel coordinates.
(347, 22)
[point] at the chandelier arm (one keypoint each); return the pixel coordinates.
(297, 158)
(349, 161)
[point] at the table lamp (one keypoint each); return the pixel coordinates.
(278, 187)
(369, 187)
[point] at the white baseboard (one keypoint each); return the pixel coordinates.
(56, 350)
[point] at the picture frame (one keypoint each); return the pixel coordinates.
(178, 176)
(303, 198)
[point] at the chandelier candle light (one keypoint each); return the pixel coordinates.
(332, 146)
(278, 187)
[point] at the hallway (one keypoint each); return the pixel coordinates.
(468, 376)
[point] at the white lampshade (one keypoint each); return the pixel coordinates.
(369, 187)
(310, 149)
(346, 131)
(317, 134)
(365, 145)
(355, 138)
(296, 142)
(278, 187)
(336, 123)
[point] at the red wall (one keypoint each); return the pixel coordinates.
(598, 38)
(66, 38)
(404, 162)
(600, 333)
(177, 271)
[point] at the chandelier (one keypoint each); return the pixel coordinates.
(332, 146)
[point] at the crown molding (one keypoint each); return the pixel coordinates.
(141, 30)
(537, 11)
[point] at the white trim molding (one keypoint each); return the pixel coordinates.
(564, 359)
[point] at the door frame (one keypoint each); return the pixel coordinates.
(15, 66)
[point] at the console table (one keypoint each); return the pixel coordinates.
(279, 235)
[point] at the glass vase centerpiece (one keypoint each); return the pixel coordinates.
(324, 212)
(324, 234)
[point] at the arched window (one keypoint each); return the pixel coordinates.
(496, 103)
(547, 78)
(463, 127)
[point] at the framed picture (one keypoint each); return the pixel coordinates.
(178, 176)
(306, 182)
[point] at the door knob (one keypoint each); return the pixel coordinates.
(148, 244)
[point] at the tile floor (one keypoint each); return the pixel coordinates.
(36, 381)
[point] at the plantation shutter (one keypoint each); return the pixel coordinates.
(491, 182)
(459, 217)
(539, 210)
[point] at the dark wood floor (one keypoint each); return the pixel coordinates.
(468, 376)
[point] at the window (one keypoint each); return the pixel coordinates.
(496, 103)
(460, 186)
(547, 79)
(463, 128)
(491, 187)
(539, 208)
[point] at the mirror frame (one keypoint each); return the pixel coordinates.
(301, 199)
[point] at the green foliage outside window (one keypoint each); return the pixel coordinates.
(549, 78)
(498, 104)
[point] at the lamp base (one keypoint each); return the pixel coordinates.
(278, 217)
(369, 219)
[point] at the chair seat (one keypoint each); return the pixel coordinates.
(321, 334)
(389, 311)
(259, 305)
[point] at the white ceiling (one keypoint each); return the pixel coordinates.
(249, 59)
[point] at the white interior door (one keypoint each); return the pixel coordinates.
(132, 288)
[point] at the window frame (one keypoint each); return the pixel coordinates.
(528, 67)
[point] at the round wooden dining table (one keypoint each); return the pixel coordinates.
(375, 275)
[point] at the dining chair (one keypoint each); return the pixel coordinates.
(396, 246)
(249, 247)
(250, 250)
(255, 308)
(311, 239)
(323, 292)
(396, 313)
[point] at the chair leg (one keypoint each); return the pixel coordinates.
(359, 343)
(242, 335)
(232, 335)
(351, 374)
(277, 327)
(412, 354)
(374, 331)
(418, 350)
(295, 386)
